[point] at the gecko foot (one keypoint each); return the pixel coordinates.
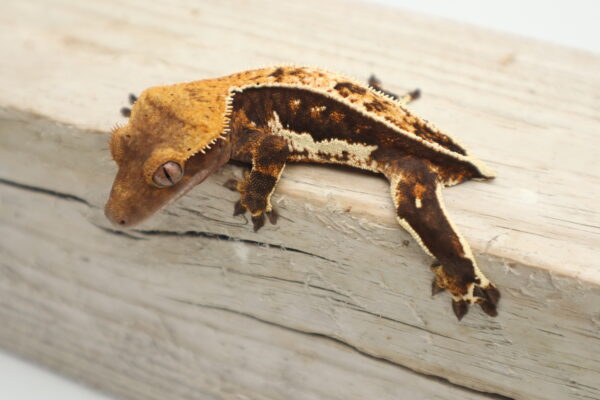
(460, 308)
(258, 219)
(487, 298)
(465, 294)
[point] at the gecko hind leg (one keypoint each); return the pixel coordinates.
(269, 155)
(420, 210)
(405, 99)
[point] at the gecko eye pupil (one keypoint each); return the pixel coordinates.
(168, 174)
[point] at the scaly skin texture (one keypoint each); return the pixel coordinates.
(178, 135)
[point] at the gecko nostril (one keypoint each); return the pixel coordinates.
(122, 222)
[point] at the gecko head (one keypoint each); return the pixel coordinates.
(161, 155)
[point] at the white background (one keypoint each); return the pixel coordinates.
(572, 23)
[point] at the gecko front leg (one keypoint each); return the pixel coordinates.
(268, 155)
(416, 192)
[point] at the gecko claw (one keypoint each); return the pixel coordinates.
(488, 308)
(477, 292)
(460, 308)
(488, 299)
(414, 94)
(492, 294)
(126, 112)
(258, 221)
(239, 209)
(273, 216)
(258, 218)
(435, 288)
(464, 296)
(232, 184)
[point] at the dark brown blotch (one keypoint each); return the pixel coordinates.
(277, 74)
(425, 132)
(338, 121)
(376, 105)
(273, 152)
(345, 89)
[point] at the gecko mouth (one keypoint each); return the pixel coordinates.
(132, 200)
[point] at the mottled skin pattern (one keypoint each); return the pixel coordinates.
(177, 135)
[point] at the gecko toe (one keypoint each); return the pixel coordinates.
(489, 298)
(258, 221)
(126, 112)
(239, 208)
(465, 294)
(478, 292)
(273, 216)
(374, 82)
(460, 308)
(132, 98)
(435, 288)
(231, 184)
(489, 308)
(415, 94)
(492, 294)
(435, 285)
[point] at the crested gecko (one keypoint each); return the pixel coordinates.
(178, 135)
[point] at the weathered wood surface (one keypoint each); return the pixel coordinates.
(333, 302)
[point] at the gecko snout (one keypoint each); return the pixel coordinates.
(115, 216)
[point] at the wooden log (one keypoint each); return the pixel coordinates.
(333, 302)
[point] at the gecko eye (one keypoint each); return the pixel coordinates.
(168, 174)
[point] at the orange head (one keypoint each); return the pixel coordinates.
(172, 142)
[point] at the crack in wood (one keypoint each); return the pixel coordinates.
(37, 189)
(383, 317)
(220, 221)
(207, 235)
(118, 232)
(221, 236)
(492, 396)
(576, 223)
(275, 278)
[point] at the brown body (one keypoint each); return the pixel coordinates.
(177, 135)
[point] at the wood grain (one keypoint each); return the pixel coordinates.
(333, 302)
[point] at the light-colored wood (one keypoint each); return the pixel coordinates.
(333, 302)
